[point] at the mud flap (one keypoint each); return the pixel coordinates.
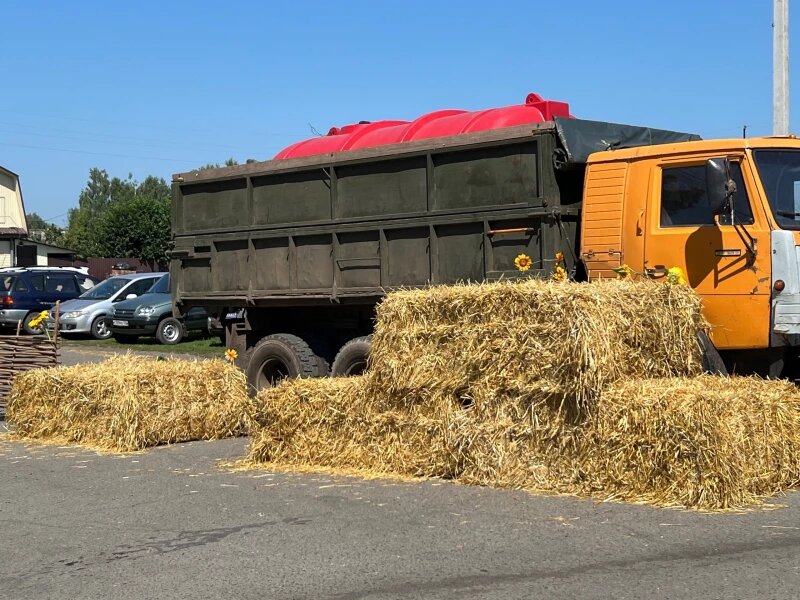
(712, 361)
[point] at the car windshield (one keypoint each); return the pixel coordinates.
(6, 283)
(106, 289)
(161, 286)
(780, 176)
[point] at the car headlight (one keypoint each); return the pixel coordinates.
(74, 314)
(145, 311)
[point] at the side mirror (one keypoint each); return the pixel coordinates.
(719, 185)
(130, 296)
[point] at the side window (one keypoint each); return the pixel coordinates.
(37, 282)
(684, 200)
(85, 283)
(61, 284)
(140, 286)
(20, 286)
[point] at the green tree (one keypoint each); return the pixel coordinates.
(35, 221)
(231, 162)
(137, 227)
(100, 204)
(53, 234)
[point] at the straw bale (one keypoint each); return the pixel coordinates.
(566, 340)
(337, 423)
(707, 442)
(129, 402)
(704, 442)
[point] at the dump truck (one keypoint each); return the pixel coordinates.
(293, 254)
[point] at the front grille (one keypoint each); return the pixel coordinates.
(123, 312)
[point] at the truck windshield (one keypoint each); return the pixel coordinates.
(780, 176)
(104, 291)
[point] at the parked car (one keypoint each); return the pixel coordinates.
(151, 314)
(87, 313)
(26, 292)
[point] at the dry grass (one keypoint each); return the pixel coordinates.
(128, 403)
(581, 389)
(708, 441)
(337, 423)
(567, 340)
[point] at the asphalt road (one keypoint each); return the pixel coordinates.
(170, 523)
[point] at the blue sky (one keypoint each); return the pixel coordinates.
(154, 88)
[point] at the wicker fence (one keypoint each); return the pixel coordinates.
(21, 353)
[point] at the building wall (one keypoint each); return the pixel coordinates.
(11, 212)
(5, 253)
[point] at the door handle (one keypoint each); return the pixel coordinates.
(656, 272)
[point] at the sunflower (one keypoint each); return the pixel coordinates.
(675, 276)
(523, 262)
(560, 273)
(624, 272)
(231, 354)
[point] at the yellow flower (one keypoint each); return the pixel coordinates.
(560, 273)
(523, 262)
(231, 354)
(39, 319)
(559, 257)
(675, 276)
(624, 272)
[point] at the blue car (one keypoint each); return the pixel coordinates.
(26, 292)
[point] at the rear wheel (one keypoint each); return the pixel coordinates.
(170, 331)
(279, 356)
(31, 329)
(100, 329)
(352, 357)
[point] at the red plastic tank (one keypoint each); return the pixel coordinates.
(435, 124)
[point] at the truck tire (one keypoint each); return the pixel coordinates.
(352, 357)
(279, 356)
(170, 331)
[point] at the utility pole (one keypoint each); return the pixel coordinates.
(780, 68)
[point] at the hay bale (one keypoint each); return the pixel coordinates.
(337, 423)
(519, 441)
(565, 340)
(707, 442)
(129, 402)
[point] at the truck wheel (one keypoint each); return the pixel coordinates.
(352, 357)
(100, 329)
(280, 356)
(170, 331)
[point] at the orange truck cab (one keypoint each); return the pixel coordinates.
(727, 213)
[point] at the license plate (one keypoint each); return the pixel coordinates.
(117, 323)
(234, 315)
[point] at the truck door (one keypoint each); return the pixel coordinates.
(682, 232)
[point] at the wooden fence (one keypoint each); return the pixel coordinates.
(20, 353)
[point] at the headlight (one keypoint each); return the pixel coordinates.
(74, 314)
(145, 311)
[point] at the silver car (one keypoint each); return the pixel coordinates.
(87, 312)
